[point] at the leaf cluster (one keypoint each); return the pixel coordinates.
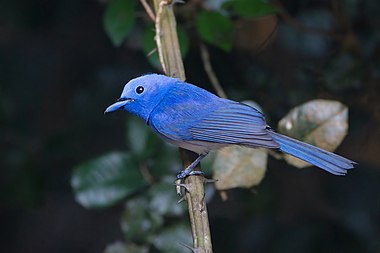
(214, 26)
(139, 174)
(151, 216)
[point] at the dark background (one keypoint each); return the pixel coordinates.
(58, 72)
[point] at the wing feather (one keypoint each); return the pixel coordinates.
(234, 123)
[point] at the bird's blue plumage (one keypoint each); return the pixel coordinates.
(197, 120)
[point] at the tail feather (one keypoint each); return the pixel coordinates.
(321, 158)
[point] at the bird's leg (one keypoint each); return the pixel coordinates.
(189, 170)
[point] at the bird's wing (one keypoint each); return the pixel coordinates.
(233, 123)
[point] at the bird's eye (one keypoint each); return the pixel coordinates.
(139, 90)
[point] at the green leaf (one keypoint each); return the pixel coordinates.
(183, 40)
(106, 180)
(118, 20)
(120, 247)
(215, 29)
(166, 160)
(150, 45)
(170, 239)
(164, 200)
(138, 222)
(138, 136)
(157, 156)
(250, 8)
(323, 123)
(150, 48)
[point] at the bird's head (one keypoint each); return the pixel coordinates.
(142, 94)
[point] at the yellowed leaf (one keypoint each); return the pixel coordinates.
(323, 123)
(236, 166)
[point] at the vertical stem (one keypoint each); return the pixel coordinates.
(197, 207)
(210, 71)
(167, 40)
(171, 61)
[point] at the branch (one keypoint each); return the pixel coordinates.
(167, 40)
(195, 196)
(210, 71)
(148, 10)
(171, 61)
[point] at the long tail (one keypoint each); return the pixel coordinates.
(323, 159)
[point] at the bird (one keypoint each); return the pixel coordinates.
(194, 119)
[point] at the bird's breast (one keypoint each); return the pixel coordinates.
(199, 147)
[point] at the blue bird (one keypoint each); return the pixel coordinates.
(197, 120)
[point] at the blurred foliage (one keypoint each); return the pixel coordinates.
(111, 178)
(216, 29)
(118, 20)
(120, 247)
(155, 219)
(62, 62)
(249, 8)
(106, 180)
(138, 175)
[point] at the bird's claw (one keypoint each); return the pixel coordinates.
(183, 174)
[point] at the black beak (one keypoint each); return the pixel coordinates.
(119, 105)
